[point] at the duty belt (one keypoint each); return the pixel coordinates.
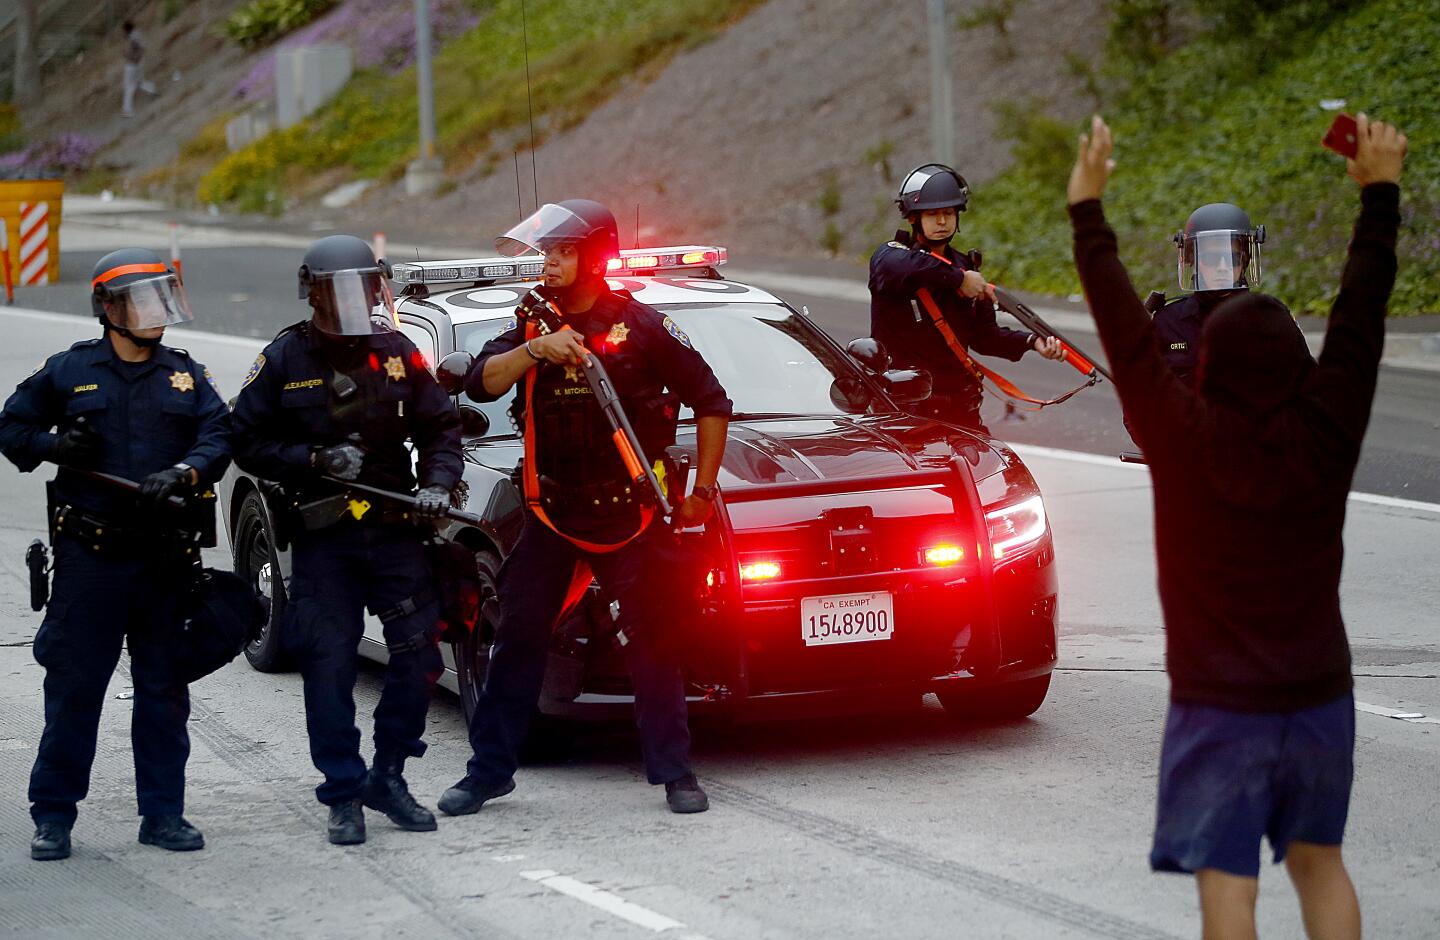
(606, 498)
(101, 535)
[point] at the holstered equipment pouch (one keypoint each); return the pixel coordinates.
(37, 560)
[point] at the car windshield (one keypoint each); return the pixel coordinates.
(768, 359)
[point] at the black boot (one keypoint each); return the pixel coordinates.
(51, 842)
(386, 792)
(685, 796)
(170, 832)
(469, 795)
(347, 823)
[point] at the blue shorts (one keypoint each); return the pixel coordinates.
(1227, 778)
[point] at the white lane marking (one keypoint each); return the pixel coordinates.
(604, 900)
(1414, 718)
(1074, 456)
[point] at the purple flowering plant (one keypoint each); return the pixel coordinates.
(67, 153)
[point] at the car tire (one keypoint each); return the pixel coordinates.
(257, 562)
(1008, 702)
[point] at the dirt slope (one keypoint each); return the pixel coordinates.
(731, 141)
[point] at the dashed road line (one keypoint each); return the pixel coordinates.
(1414, 718)
(607, 901)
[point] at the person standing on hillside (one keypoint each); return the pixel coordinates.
(931, 307)
(132, 77)
(1251, 469)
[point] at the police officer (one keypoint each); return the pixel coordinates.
(122, 404)
(581, 505)
(1218, 255)
(337, 397)
(920, 277)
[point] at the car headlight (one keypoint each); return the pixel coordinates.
(1016, 526)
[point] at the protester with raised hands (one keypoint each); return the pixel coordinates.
(1251, 469)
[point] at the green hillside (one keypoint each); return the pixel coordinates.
(1235, 116)
(580, 53)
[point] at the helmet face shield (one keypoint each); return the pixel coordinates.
(547, 227)
(146, 304)
(1224, 259)
(354, 302)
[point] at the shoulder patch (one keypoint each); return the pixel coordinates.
(254, 370)
(510, 324)
(674, 330)
(213, 384)
(897, 245)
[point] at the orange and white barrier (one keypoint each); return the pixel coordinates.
(34, 243)
(5, 260)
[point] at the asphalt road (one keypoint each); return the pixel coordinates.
(243, 284)
(902, 824)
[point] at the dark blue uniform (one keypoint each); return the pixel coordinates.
(150, 416)
(1177, 330)
(901, 323)
(288, 408)
(584, 491)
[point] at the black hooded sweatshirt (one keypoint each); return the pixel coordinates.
(1251, 471)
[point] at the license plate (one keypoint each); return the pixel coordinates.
(847, 618)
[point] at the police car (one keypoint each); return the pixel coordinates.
(858, 555)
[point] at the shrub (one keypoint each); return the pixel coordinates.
(1198, 128)
(261, 21)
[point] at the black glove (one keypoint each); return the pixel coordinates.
(432, 501)
(340, 460)
(78, 446)
(162, 484)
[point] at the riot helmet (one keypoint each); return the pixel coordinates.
(1219, 250)
(932, 186)
(348, 289)
(132, 289)
(583, 223)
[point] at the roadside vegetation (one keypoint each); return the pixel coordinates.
(1233, 114)
(581, 52)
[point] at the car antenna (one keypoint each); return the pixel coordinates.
(529, 103)
(637, 225)
(519, 206)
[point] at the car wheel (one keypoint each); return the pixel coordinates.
(257, 562)
(548, 739)
(1007, 702)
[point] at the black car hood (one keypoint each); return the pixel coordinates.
(784, 450)
(789, 449)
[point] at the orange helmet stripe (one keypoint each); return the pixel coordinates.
(110, 275)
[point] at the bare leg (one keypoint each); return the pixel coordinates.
(1227, 904)
(1327, 897)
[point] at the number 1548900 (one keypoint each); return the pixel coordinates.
(847, 618)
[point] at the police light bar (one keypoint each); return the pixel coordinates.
(676, 258)
(469, 269)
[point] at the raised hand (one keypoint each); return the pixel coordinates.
(1379, 152)
(1092, 164)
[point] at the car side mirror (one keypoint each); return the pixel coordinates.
(451, 371)
(850, 395)
(473, 422)
(908, 386)
(870, 353)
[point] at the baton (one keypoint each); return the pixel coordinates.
(405, 499)
(1033, 322)
(130, 486)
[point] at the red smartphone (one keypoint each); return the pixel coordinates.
(1341, 136)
